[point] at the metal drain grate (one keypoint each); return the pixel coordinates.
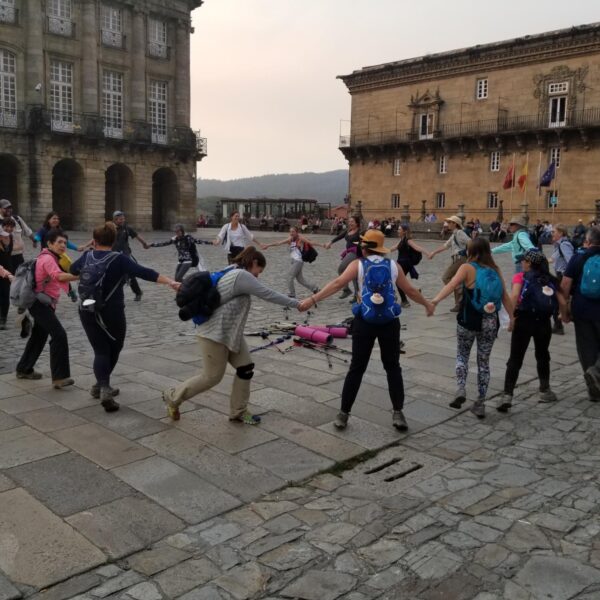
(394, 470)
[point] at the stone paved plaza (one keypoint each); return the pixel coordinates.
(132, 506)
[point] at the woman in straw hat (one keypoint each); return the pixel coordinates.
(364, 332)
(457, 242)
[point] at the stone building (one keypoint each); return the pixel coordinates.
(443, 130)
(95, 110)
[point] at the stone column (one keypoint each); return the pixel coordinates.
(525, 212)
(89, 57)
(34, 53)
(182, 75)
(423, 209)
(500, 216)
(405, 216)
(138, 67)
(461, 212)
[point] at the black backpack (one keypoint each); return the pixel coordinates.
(91, 281)
(538, 296)
(309, 254)
(198, 297)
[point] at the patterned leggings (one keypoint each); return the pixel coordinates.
(485, 340)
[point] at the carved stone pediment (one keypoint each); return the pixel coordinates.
(574, 77)
(426, 100)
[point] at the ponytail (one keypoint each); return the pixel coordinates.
(246, 258)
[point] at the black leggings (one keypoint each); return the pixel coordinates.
(363, 339)
(46, 323)
(526, 327)
(4, 297)
(106, 350)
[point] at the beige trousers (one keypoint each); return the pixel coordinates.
(215, 357)
(450, 272)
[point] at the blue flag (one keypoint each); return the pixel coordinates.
(548, 176)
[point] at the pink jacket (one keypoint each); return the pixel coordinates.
(46, 273)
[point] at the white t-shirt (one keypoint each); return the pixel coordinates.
(240, 237)
(295, 250)
(375, 258)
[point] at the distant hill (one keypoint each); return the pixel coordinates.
(330, 186)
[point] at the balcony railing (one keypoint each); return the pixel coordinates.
(60, 26)
(8, 14)
(589, 117)
(113, 39)
(157, 50)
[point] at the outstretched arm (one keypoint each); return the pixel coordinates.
(279, 243)
(413, 293)
(333, 286)
(160, 244)
(305, 240)
(418, 248)
(458, 279)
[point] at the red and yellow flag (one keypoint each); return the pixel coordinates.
(522, 181)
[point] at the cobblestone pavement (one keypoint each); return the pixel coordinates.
(132, 506)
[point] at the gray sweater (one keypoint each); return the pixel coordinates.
(226, 325)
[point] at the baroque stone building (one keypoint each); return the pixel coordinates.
(95, 110)
(443, 130)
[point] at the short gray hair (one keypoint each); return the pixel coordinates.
(593, 236)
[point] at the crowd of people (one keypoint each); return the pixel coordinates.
(536, 298)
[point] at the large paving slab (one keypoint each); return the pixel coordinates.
(101, 446)
(22, 445)
(38, 548)
(69, 483)
(178, 490)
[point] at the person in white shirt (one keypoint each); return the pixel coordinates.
(298, 245)
(235, 236)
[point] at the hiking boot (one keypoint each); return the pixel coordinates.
(345, 293)
(95, 391)
(2, 324)
(107, 400)
(59, 384)
(478, 408)
(547, 396)
(399, 421)
(341, 420)
(137, 298)
(592, 378)
(455, 309)
(459, 398)
(405, 304)
(172, 408)
(25, 328)
(247, 419)
(558, 329)
(32, 375)
(504, 402)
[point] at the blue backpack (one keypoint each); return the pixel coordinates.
(538, 296)
(590, 278)
(488, 288)
(378, 297)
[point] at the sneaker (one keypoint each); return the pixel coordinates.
(107, 400)
(405, 304)
(345, 294)
(341, 420)
(593, 381)
(247, 419)
(455, 309)
(478, 408)
(558, 329)
(59, 384)
(459, 398)
(95, 391)
(25, 327)
(504, 403)
(172, 408)
(399, 421)
(32, 375)
(137, 298)
(547, 396)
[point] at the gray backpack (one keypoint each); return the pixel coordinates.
(22, 288)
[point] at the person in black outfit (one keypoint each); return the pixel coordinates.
(352, 252)
(106, 328)
(187, 254)
(6, 262)
(121, 244)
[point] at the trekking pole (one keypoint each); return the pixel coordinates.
(279, 340)
(310, 346)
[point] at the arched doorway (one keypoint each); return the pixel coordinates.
(67, 192)
(165, 198)
(9, 175)
(119, 189)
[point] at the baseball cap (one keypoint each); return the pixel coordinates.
(118, 213)
(4, 203)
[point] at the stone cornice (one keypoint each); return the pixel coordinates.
(555, 45)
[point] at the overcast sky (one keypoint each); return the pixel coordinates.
(264, 87)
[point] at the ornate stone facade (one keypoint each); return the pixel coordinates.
(95, 111)
(443, 130)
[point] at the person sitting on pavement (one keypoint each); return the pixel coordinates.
(105, 326)
(536, 296)
(365, 331)
(221, 338)
(50, 280)
(520, 243)
(474, 321)
(457, 242)
(581, 280)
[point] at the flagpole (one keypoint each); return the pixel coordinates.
(557, 182)
(539, 188)
(512, 187)
(526, 179)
